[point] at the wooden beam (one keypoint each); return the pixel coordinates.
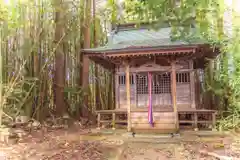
(174, 93)
(153, 52)
(128, 93)
(192, 85)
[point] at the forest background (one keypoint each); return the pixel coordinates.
(41, 60)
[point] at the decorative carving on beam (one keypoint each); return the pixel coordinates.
(154, 67)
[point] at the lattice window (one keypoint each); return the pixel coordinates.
(183, 77)
(162, 83)
(122, 79)
(142, 84)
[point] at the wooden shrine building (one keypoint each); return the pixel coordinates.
(157, 81)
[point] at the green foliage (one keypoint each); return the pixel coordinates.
(207, 18)
(28, 50)
(180, 16)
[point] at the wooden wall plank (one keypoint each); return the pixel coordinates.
(183, 93)
(158, 117)
(163, 99)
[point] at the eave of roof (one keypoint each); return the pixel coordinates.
(141, 49)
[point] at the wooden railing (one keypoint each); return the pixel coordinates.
(112, 117)
(195, 114)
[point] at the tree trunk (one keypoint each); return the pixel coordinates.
(59, 56)
(97, 93)
(1, 81)
(85, 60)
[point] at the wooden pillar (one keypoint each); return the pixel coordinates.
(192, 85)
(174, 92)
(135, 90)
(113, 120)
(128, 93)
(114, 87)
(117, 106)
(214, 121)
(195, 121)
(98, 120)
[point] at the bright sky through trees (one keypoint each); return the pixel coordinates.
(234, 4)
(10, 2)
(7, 2)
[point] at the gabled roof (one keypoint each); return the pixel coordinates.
(128, 37)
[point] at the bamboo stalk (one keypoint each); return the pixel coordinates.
(30, 42)
(1, 80)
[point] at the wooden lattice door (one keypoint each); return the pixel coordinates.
(161, 89)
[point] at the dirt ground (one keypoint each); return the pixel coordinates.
(84, 144)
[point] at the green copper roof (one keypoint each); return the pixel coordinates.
(139, 38)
